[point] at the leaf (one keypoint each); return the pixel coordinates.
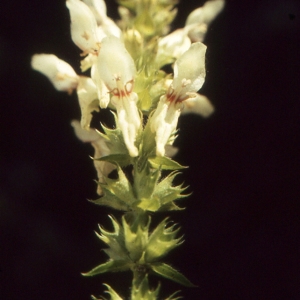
(164, 163)
(110, 200)
(168, 272)
(109, 266)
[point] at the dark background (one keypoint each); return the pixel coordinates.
(241, 224)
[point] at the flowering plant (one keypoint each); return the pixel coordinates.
(127, 75)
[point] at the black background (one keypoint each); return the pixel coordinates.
(241, 224)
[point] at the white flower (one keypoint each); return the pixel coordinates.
(103, 168)
(83, 27)
(64, 78)
(98, 7)
(189, 74)
(88, 100)
(117, 70)
(199, 19)
(60, 73)
(172, 46)
(111, 28)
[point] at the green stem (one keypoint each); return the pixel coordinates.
(139, 273)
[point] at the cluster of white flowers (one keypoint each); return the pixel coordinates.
(114, 71)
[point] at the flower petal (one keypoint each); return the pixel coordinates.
(85, 136)
(115, 63)
(199, 104)
(98, 8)
(164, 122)
(102, 90)
(88, 100)
(129, 121)
(189, 69)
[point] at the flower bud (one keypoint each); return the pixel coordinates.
(199, 19)
(60, 73)
(172, 46)
(83, 27)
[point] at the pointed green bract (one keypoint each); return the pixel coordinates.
(169, 193)
(143, 291)
(172, 297)
(145, 184)
(113, 294)
(161, 241)
(115, 141)
(115, 240)
(164, 163)
(135, 237)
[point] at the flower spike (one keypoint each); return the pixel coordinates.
(126, 67)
